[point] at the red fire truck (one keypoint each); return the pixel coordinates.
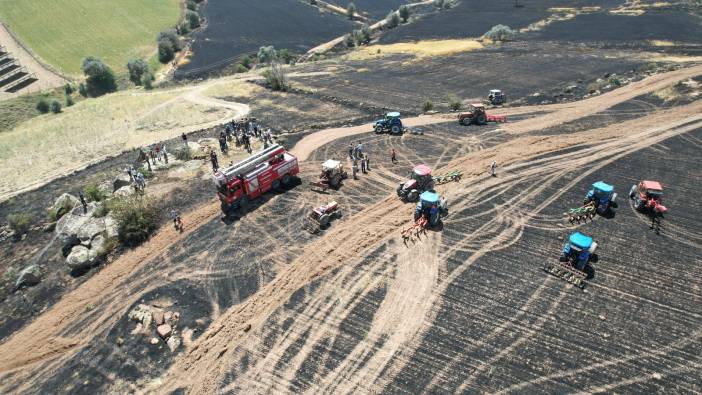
(240, 183)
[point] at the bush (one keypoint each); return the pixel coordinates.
(276, 78)
(55, 106)
(267, 54)
(100, 79)
(20, 223)
(136, 219)
(500, 33)
(392, 20)
(184, 28)
(146, 172)
(68, 89)
(351, 10)
(348, 40)
(614, 81)
(455, 103)
(240, 68)
(69, 101)
(184, 154)
(366, 33)
(82, 90)
(165, 52)
(404, 13)
(427, 106)
(246, 61)
(191, 5)
(137, 68)
(147, 80)
(171, 37)
(101, 211)
(43, 106)
(193, 19)
(592, 87)
(93, 193)
(56, 214)
(285, 56)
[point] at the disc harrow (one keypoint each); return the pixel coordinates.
(419, 227)
(448, 177)
(567, 273)
(583, 213)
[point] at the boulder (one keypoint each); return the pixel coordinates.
(164, 330)
(97, 245)
(79, 258)
(106, 188)
(158, 317)
(65, 199)
(91, 227)
(194, 146)
(124, 191)
(120, 181)
(89, 209)
(141, 314)
(74, 229)
(173, 343)
(111, 227)
(31, 275)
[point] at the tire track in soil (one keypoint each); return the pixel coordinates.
(44, 332)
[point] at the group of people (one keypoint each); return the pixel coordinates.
(357, 156)
(241, 132)
(137, 179)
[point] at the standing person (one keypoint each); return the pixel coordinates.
(393, 156)
(354, 169)
(493, 168)
(140, 182)
(363, 164)
(165, 154)
(223, 144)
(177, 222)
(185, 139)
(129, 171)
(213, 159)
(351, 151)
(157, 149)
(367, 161)
(81, 196)
(153, 155)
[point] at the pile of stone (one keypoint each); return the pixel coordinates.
(164, 323)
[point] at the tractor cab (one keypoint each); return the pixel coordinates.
(390, 123)
(496, 97)
(332, 175)
(332, 167)
(648, 195)
(431, 207)
(420, 179)
(578, 250)
(602, 195)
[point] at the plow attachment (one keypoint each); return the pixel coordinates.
(415, 230)
(583, 213)
(448, 177)
(567, 273)
(318, 186)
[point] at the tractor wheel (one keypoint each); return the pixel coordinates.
(378, 129)
(434, 219)
(334, 182)
(286, 179)
(395, 129)
(481, 120)
(226, 209)
(413, 195)
(400, 191)
(324, 220)
(632, 191)
(465, 121)
(344, 175)
(337, 214)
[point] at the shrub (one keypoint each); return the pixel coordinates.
(592, 87)
(454, 102)
(68, 89)
(19, 223)
(69, 101)
(146, 172)
(348, 40)
(55, 106)
(147, 80)
(191, 5)
(276, 78)
(82, 90)
(93, 193)
(404, 13)
(136, 219)
(392, 20)
(240, 68)
(351, 10)
(246, 61)
(193, 19)
(500, 33)
(267, 54)
(614, 81)
(427, 106)
(100, 79)
(171, 37)
(366, 33)
(137, 68)
(43, 106)
(285, 55)
(184, 154)
(184, 27)
(101, 211)
(165, 52)
(57, 213)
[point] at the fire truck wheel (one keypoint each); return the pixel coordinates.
(244, 203)
(286, 179)
(275, 185)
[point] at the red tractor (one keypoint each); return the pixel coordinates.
(265, 170)
(476, 115)
(648, 197)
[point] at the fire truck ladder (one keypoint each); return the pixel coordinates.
(251, 162)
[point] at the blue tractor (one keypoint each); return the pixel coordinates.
(431, 207)
(391, 123)
(578, 250)
(603, 197)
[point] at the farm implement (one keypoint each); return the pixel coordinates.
(332, 175)
(428, 213)
(476, 115)
(320, 217)
(573, 265)
(582, 213)
(448, 177)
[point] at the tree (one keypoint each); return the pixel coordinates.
(165, 52)
(193, 18)
(348, 40)
(351, 10)
(147, 80)
(404, 13)
(267, 54)
(69, 101)
(100, 78)
(427, 106)
(171, 37)
(285, 55)
(55, 107)
(276, 78)
(43, 106)
(82, 90)
(246, 61)
(366, 33)
(68, 89)
(191, 5)
(137, 68)
(184, 28)
(392, 20)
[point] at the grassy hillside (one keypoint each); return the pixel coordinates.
(63, 32)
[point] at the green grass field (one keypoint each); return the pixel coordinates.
(63, 32)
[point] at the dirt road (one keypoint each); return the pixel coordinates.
(205, 363)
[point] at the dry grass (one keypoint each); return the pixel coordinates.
(661, 43)
(419, 49)
(558, 14)
(233, 88)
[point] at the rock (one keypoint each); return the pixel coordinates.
(187, 337)
(63, 200)
(31, 275)
(79, 258)
(120, 181)
(164, 330)
(194, 146)
(124, 191)
(120, 341)
(168, 317)
(106, 188)
(173, 343)
(111, 227)
(154, 340)
(49, 227)
(91, 228)
(142, 314)
(158, 317)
